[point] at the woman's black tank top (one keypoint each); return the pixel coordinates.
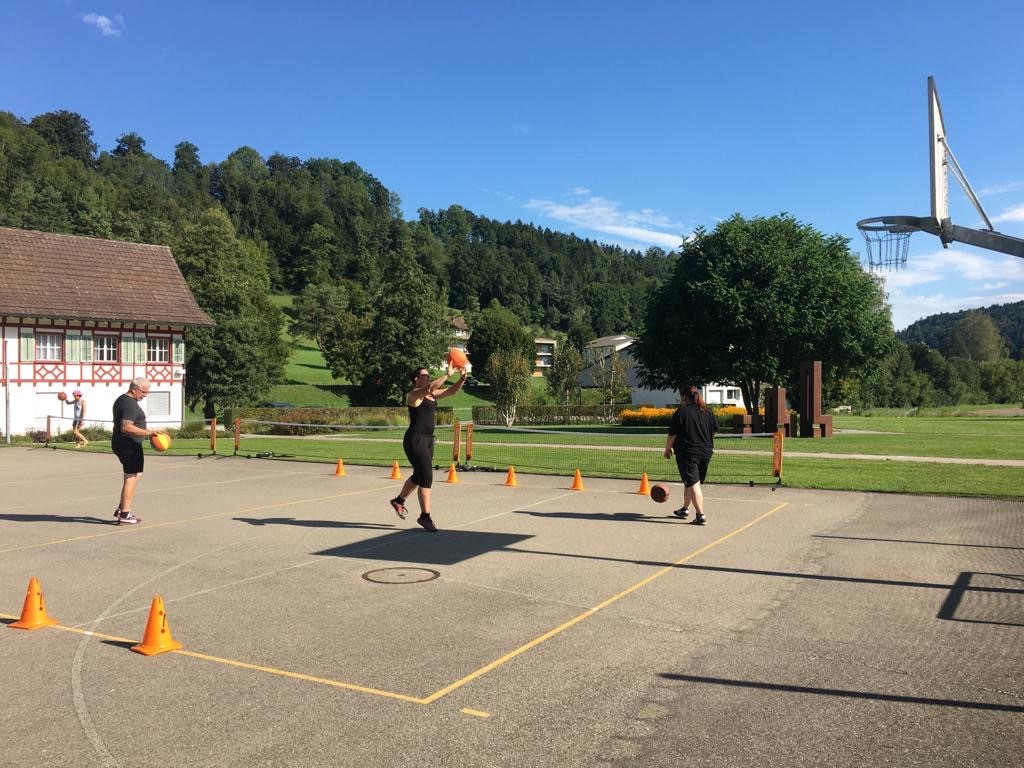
(423, 417)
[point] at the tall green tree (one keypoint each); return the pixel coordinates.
(976, 337)
(338, 318)
(409, 329)
(68, 133)
(563, 378)
(509, 374)
(750, 300)
(611, 378)
(496, 329)
(238, 360)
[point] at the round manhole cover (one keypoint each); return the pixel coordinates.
(401, 575)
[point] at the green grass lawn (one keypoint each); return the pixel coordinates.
(949, 433)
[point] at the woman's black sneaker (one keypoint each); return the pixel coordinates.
(681, 513)
(427, 523)
(698, 520)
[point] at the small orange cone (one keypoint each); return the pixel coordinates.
(396, 473)
(577, 482)
(33, 615)
(453, 476)
(339, 471)
(645, 486)
(511, 479)
(157, 638)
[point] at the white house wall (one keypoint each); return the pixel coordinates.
(28, 388)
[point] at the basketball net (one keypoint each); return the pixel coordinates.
(887, 242)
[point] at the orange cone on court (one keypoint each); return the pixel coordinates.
(157, 638)
(453, 476)
(396, 473)
(577, 482)
(645, 486)
(339, 471)
(511, 478)
(33, 614)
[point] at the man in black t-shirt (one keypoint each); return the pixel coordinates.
(691, 433)
(129, 431)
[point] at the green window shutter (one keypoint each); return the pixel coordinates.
(73, 347)
(140, 350)
(85, 347)
(179, 352)
(127, 350)
(28, 344)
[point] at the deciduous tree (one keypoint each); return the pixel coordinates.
(750, 300)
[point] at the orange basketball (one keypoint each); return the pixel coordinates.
(160, 441)
(62, 396)
(457, 357)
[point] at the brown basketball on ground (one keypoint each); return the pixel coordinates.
(659, 493)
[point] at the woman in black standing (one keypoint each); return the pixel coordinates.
(419, 438)
(692, 434)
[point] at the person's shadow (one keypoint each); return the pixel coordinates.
(15, 518)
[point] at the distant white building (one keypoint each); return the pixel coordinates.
(599, 350)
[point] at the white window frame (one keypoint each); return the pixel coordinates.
(158, 349)
(106, 348)
(49, 347)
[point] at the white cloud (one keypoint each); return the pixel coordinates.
(1010, 214)
(952, 280)
(109, 27)
(999, 189)
(604, 216)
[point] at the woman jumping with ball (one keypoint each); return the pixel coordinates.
(419, 438)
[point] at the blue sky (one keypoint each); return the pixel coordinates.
(631, 123)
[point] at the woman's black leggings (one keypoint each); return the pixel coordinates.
(419, 449)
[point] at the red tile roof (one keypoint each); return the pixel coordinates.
(83, 278)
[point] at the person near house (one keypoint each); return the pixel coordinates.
(419, 438)
(691, 434)
(78, 418)
(129, 431)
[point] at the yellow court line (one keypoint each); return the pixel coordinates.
(475, 712)
(153, 526)
(246, 665)
(464, 680)
(591, 611)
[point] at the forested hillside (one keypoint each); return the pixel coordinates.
(936, 331)
(317, 221)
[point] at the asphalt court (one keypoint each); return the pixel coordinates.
(540, 626)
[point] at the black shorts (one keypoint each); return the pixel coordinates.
(129, 453)
(77, 423)
(692, 469)
(419, 449)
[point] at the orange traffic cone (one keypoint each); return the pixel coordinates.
(33, 615)
(577, 482)
(339, 471)
(453, 476)
(511, 479)
(157, 638)
(396, 473)
(645, 486)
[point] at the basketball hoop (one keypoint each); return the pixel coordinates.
(888, 240)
